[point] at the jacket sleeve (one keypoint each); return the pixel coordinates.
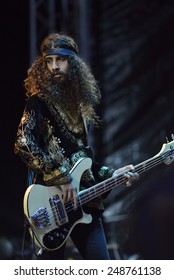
(102, 173)
(28, 146)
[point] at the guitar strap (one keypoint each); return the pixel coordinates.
(30, 177)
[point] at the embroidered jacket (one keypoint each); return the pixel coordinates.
(50, 148)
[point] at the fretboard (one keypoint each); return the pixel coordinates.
(108, 184)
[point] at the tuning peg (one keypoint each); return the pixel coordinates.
(167, 140)
(172, 136)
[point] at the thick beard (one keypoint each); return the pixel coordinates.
(62, 92)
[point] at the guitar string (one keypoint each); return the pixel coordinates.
(138, 168)
(101, 186)
(113, 181)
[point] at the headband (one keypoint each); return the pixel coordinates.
(58, 51)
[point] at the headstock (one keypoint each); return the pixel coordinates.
(167, 151)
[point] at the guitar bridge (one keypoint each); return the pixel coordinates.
(58, 210)
(40, 219)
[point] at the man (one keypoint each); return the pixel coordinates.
(52, 136)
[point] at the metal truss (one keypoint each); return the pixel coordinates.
(43, 20)
(47, 16)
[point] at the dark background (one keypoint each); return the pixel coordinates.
(129, 45)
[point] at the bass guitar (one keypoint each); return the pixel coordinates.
(51, 221)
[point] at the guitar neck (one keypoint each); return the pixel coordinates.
(107, 185)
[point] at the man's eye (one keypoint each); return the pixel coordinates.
(61, 58)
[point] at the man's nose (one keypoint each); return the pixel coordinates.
(55, 66)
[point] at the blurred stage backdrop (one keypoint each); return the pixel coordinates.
(130, 47)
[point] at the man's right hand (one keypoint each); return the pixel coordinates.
(69, 191)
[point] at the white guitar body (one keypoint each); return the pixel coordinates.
(52, 222)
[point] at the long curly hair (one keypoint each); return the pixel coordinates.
(79, 91)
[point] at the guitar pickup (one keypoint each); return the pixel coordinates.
(58, 210)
